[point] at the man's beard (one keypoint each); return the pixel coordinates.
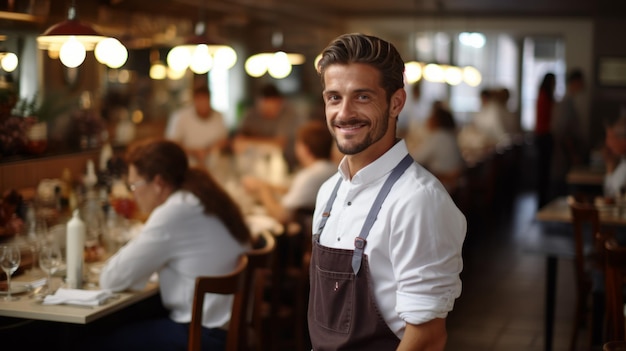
(372, 137)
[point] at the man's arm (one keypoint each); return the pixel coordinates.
(429, 336)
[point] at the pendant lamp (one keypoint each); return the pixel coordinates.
(71, 38)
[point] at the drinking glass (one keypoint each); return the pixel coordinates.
(10, 261)
(50, 260)
(37, 234)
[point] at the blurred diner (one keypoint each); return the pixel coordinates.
(615, 157)
(570, 146)
(270, 123)
(194, 229)
(313, 150)
(439, 152)
(198, 128)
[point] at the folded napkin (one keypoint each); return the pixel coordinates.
(77, 297)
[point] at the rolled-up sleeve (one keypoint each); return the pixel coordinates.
(425, 249)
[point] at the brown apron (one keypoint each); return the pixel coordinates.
(343, 314)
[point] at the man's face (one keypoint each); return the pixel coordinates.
(358, 113)
(270, 106)
(202, 103)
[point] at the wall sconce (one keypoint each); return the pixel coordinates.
(71, 38)
(278, 64)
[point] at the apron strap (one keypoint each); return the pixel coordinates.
(359, 242)
(326, 214)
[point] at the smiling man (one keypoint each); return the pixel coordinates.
(387, 249)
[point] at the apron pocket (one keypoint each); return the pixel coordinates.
(333, 300)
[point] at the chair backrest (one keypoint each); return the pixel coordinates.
(615, 272)
(229, 284)
(583, 213)
(259, 260)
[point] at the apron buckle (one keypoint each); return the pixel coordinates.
(359, 243)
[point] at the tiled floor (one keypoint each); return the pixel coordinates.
(502, 304)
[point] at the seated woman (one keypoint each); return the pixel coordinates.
(439, 152)
(194, 229)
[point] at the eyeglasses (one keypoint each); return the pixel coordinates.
(133, 186)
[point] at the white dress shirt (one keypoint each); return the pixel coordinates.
(181, 243)
(414, 247)
(614, 182)
(306, 182)
(193, 132)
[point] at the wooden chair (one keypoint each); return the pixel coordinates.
(259, 262)
(614, 274)
(229, 284)
(285, 287)
(586, 259)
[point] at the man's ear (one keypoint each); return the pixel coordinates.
(396, 103)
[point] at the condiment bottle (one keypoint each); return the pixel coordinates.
(74, 251)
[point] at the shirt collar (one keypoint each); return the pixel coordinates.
(379, 168)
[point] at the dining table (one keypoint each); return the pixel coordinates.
(551, 236)
(30, 305)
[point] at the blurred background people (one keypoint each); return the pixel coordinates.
(313, 151)
(615, 157)
(198, 128)
(439, 152)
(194, 229)
(543, 136)
(569, 148)
(271, 122)
(488, 120)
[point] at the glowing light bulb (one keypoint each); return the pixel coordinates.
(179, 58)
(256, 65)
(279, 67)
(224, 57)
(453, 75)
(9, 62)
(72, 53)
(413, 71)
(201, 61)
(158, 71)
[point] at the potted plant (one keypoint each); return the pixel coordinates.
(39, 112)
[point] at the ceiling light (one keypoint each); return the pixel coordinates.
(8, 61)
(278, 64)
(201, 54)
(55, 37)
(471, 76)
(111, 52)
(413, 71)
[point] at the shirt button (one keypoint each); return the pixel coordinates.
(338, 239)
(349, 203)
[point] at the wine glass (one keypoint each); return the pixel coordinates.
(50, 260)
(37, 234)
(9, 261)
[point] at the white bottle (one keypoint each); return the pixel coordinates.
(75, 247)
(90, 179)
